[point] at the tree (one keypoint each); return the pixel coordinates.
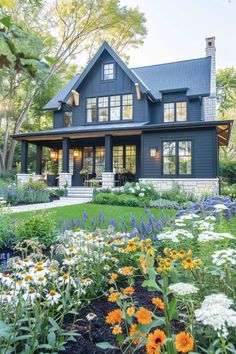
(226, 96)
(71, 30)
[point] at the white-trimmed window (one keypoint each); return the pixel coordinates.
(127, 107)
(115, 108)
(109, 71)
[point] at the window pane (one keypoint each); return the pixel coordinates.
(115, 108)
(88, 158)
(169, 158)
(108, 71)
(91, 110)
(118, 159)
(181, 111)
(99, 160)
(169, 112)
(185, 158)
(127, 107)
(130, 158)
(103, 109)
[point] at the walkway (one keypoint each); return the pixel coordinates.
(56, 203)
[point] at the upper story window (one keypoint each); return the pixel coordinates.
(110, 108)
(103, 109)
(109, 71)
(91, 110)
(177, 157)
(67, 119)
(127, 107)
(175, 112)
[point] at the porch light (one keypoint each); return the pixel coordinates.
(76, 153)
(153, 152)
(53, 155)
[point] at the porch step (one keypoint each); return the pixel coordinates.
(80, 192)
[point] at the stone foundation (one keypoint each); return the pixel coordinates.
(108, 180)
(197, 186)
(22, 178)
(65, 179)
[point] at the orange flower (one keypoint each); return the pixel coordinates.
(114, 276)
(130, 310)
(158, 302)
(155, 341)
(184, 342)
(144, 316)
(116, 330)
(127, 271)
(133, 331)
(114, 297)
(114, 317)
(129, 290)
(143, 263)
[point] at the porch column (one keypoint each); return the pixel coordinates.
(65, 155)
(108, 153)
(65, 178)
(108, 175)
(39, 155)
(24, 157)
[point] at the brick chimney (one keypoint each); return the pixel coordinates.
(209, 103)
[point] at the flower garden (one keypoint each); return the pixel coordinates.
(163, 286)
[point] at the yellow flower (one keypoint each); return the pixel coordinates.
(131, 247)
(113, 277)
(114, 297)
(188, 264)
(127, 271)
(116, 330)
(144, 316)
(130, 310)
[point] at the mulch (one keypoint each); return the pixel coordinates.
(100, 331)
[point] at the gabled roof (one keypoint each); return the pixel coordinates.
(65, 93)
(190, 75)
(193, 76)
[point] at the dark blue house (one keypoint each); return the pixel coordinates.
(154, 124)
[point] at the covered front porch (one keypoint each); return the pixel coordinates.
(89, 161)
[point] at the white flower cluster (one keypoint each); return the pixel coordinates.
(206, 236)
(222, 257)
(203, 225)
(216, 312)
(183, 219)
(183, 289)
(175, 235)
(220, 207)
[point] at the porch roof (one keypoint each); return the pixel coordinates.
(223, 128)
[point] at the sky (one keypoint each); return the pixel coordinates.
(177, 30)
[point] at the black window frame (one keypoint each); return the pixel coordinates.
(177, 156)
(175, 103)
(109, 121)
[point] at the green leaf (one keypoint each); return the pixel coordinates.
(151, 285)
(51, 339)
(106, 345)
(54, 323)
(6, 21)
(173, 312)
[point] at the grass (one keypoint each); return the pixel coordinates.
(118, 213)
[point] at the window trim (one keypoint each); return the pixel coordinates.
(177, 174)
(175, 111)
(109, 121)
(114, 71)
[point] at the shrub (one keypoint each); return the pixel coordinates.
(40, 226)
(16, 195)
(140, 190)
(6, 229)
(228, 170)
(34, 185)
(176, 194)
(119, 199)
(169, 204)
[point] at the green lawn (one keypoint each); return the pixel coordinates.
(119, 213)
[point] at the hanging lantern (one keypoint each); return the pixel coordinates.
(76, 153)
(53, 155)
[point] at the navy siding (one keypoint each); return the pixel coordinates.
(94, 86)
(58, 119)
(204, 154)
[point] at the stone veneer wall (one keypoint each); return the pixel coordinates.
(197, 186)
(209, 103)
(22, 178)
(65, 179)
(108, 180)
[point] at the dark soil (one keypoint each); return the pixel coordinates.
(100, 331)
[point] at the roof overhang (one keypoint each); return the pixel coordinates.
(222, 127)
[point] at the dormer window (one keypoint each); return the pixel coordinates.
(109, 71)
(175, 112)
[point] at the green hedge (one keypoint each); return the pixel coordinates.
(228, 170)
